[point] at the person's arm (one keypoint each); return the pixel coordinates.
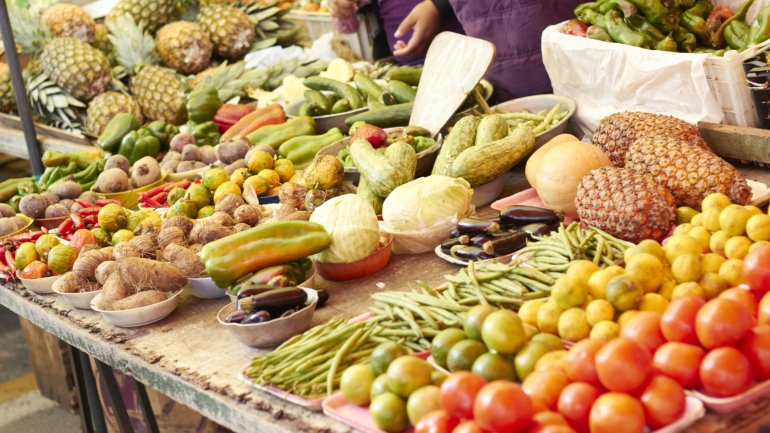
(342, 8)
(424, 21)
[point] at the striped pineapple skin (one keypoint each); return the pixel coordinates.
(229, 28)
(184, 46)
(160, 93)
(7, 99)
(152, 14)
(80, 69)
(66, 20)
(105, 106)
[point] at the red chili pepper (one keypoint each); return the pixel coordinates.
(11, 262)
(89, 211)
(160, 198)
(152, 203)
(84, 203)
(27, 237)
(78, 221)
(65, 227)
(95, 226)
(153, 191)
(105, 202)
(43, 230)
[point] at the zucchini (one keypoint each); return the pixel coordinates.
(374, 104)
(482, 164)
(381, 175)
(491, 128)
(386, 117)
(388, 98)
(402, 91)
(338, 87)
(407, 74)
(461, 137)
(403, 155)
(308, 108)
(341, 106)
(319, 100)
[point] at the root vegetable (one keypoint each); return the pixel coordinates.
(66, 189)
(169, 166)
(181, 140)
(241, 227)
(145, 171)
(147, 228)
(184, 259)
(6, 210)
(184, 223)
(89, 196)
(231, 151)
(171, 155)
(88, 247)
(33, 205)
(112, 180)
(222, 218)
(86, 263)
(205, 233)
(247, 214)
(56, 211)
(196, 248)
(7, 226)
(67, 203)
(302, 215)
(149, 274)
(114, 289)
(117, 161)
(293, 195)
(229, 204)
(171, 235)
(146, 245)
(125, 250)
(68, 283)
(104, 270)
(188, 165)
(138, 300)
(191, 152)
(50, 197)
(208, 154)
(241, 163)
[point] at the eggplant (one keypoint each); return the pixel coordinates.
(285, 297)
(323, 296)
(469, 253)
(289, 312)
(447, 245)
(539, 229)
(475, 226)
(258, 317)
(455, 233)
(519, 215)
(254, 289)
(236, 316)
(502, 245)
(478, 240)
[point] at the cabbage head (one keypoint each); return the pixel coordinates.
(352, 223)
(426, 202)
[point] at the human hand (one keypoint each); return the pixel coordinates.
(424, 21)
(342, 8)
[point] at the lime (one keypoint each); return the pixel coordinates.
(732, 272)
(503, 332)
(463, 354)
(384, 354)
(624, 293)
(678, 245)
(493, 366)
(715, 199)
(475, 318)
(686, 268)
(711, 262)
(569, 291)
(647, 270)
(548, 317)
(550, 340)
(388, 412)
(379, 386)
(600, 310)
(442, 342)
(422, 401)
(356, 383)
(758, 227)
(713, 285)
(654, 302)
(737, 247)
(408, 373)
(438, 377)
(528, 311)
(733, 219)
(605, 331)
(573, 325)
(526, 358)
(684, 214)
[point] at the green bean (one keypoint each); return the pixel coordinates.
(338, 358)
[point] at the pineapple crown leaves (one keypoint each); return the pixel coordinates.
(232, 80)
(28, 31)
(51, 103)
(133, 47)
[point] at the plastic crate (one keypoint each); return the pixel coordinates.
(319, 24)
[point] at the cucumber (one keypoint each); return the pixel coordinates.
(338, 87)
(341, 106)
(407, 74)
(461, 137)
(368, 86)
(386, 117)
(374, 104)
(319, 100)
(491, 128)
(482, 164)
(381, 175)
(308, 109)
(403, 155)
(402, 91)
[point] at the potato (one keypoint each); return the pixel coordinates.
(184, 259)
(141, 273)
(138, 300)
(104, 270)
(113, 290)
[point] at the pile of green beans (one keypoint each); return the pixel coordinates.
(552, 253)
(539, 122)
(310, 364)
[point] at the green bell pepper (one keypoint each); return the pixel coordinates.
(202, 104)
(118, 127)
(760, 28)
(162, 131)
(138, 144)
(207, 133)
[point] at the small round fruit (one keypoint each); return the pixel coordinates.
(474, 319)
(624, 293)
(722, 322)
(239, 176)
(702, 235)
(663, 400)
(502, 406)
(463, 354)
(756, 271)
(356, 382)
(737, 247)
(715, 199)
(653, 302)
(600, 310)
(214, 177)
(712, 285)
(682, 229)
(384, 354)
(733, 219)
(581, 270)
(556, 360)
(492, 366)
(545, 386)
(711, 262)
(528, 311)
(285, 171)
(551, 341)
(575, 402)
(697, 219)
(439, 421)
(604, 331)
(573, 325)
(581, 362)
(388, 411)
(688, 289)
(598, 280)
(718, 241)
(758, 244)
(525, 360)
(548, 317)
(646, 270)
(459, 391)
(615, 412)
(753, 210)
(407, 374)
(685, 214)
(725, 372)
(732, 271)
(679, 361)
(422, 402)
(273, 179)
(756, 347)
(379, 386)
(740, 295)
(503, 332)
(624, 317)
(260, 160)
(710, 219)
(649, 246)
(644, 328)
(568, 292)
(623, 365)
(686, 268)
(678, 321)
(679, 245)
(758, 227)
(442, 342)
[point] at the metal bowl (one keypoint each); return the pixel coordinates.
(537, 103)
(138, 316)
(325, 122)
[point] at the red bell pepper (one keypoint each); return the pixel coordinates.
(273, 114)
(229, 114)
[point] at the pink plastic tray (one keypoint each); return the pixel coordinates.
(528, 197)
(729, 404)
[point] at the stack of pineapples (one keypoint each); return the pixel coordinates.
(141, 60)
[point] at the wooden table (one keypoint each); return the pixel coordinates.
(192, 359)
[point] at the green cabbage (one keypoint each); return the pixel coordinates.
(426, 202)
(353, 226)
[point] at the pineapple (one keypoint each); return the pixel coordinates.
(152, 14)
(617, 131)
(51, 104)
(105, 106)
(230, 29)
(688, 171)
(7, 100)
(102, 39)
(71, 21)
(160, 93)
(80, 69)
(184, 46)
(132, 46)
(626, 204)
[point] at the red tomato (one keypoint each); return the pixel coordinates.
(617, 412)
(756, 347)
(581, 365)
(459, 391)
(763, 311)
(575, 404)
(552, 428)
(725, 372)
(680, 362)
(468, 426)
(438, 421)
(545, 386)
(743, 296)
(644, 327)
(502, 407)
(678, 321)
(663, 401)
(722, 322)
(756, 270)
(623, 365)
(547, 417)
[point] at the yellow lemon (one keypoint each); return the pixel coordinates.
(624, 293)
(653, 247)
(686, 268)
(753, 210)
(568, 291)
(573, 325)
(598, 281)
(712, 285)
(711, 262)
(683, 229)
(718, 241)
(685, 214)
(733, 219)
(678, 245)
(604, 331)
(239, 176)
(260, 160)
(581, 270)
(646, 270)
(737, 247)
(710, 218)
(528, 311)
(701, 235)
(732, 272)
(225, 189)
(548, 317)
(214, 177)
(599, 310)
(758, 227)
(715, 199)
(623, 318)
(257, 183)
(688, 289)
(667, 288)
(273, 179)
(697, 220)
(654, 302)
(285, 171)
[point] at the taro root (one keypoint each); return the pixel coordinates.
(7, 226)
(179, 141)
(233, 150)
(89, 196)
(147, 228)
(86, 263)
(6, 210)
(146, 245)
(196, 248)
(184, 223)
(67, 203)
(113, 290)
(205, 233)
(221, 218)
(138, 300)
(241, 163)
(56, 211)
(141, 273)
(229, 204)
(247, 214)
(33, 205)
(241, 227)
(208, 154)
(124, 250)
(184, 259)
(112, 181)
(50, 197)
(145, 171)
(191, 152)
(117, 161)
(68, 283)
(88, 247)
(293, 195)
(66, 189)
(171, 235)
(104, 270)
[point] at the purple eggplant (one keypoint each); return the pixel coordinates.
(469, 253)
(289, 312)
(323, 297)
(236, 316)
(447, 245)
(478, 240)
(502, 245)
(258, 317)
(539, 229)
(285, 297)
(519, 215)
(254, 289)
(476, 226)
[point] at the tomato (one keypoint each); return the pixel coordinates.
(623, 365)
(438, 421)
(679, 361)
(722, 322)
(545, 386)
(756, 347)
(502, 407)
(743, 296)
(617, 412)
(547, 417)
(575, 404)
(459, 391)
(556, 359)
(552, 428)
(663, 401)
(468, 426)
(725, 372)
(644, 327)
(678, 321)
(581, 365)
(756, 270)
(763, 311)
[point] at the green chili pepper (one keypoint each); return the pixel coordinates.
(701, 8)
(598, 33)
(120, 125)
(668, 23)
(653, 10)
(206, 133)
(138, 144)
(593, 18)
(737, 35)
(162, 131)
(760, 28)
(594, 6)
(685, 39)
(694, 24)
(202, 104)
(718, 53)
(625, 6)
(27, 187)
(640, 24)
(667, 44)
(623, 33)
(60, 172)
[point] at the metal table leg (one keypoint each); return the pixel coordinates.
(91, 415)
(144, 402)
(116, 400)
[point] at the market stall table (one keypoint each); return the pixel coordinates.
(192, 359)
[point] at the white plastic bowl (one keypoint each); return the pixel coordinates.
(40, 286)
(274, 332)
(489, 192)
(205, 288)
(138, 316)
(80, 300)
